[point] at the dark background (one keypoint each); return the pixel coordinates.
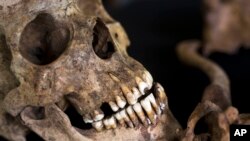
(154, 28)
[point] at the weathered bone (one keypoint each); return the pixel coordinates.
(10, 128)
(216, 101)
(63, 53)
(227, 25)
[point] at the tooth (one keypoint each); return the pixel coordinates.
(128, 94)
(132, 116)
(98, 115)
(142, 85)
(138, 109)
(126, 118)
(153, 102)
(136, 92)
(87, 119)
(113, 106)
(98, 125)
(120, 100)
(112, 122)
(120, 119)
(106, 123)
(109, 122)
(145, 103)
(147, 77)
(116, 79)
(161, 96)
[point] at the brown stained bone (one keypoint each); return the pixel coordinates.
(216, 101)
(58, 44)
(10, 127)
(51, 124)
(56, 126)
(71, 52)
(227, 25)
(218, 91)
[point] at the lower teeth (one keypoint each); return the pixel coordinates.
(131, 114)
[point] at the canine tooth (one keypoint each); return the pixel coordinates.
(145, 103)
(138, 109)
(113, 106)
(128, 94)
(116, 79)
(132, 116)
(141, 85)
(136, 92)
(161, 96)
(153, 102)
(98, 125)
(121, 102)
(126, 118)
(147, 77)
(98, 115)
(119, 119)
(87, 119)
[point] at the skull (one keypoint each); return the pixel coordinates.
(72, 52)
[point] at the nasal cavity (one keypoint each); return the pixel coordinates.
(102, 41)
(44, 39)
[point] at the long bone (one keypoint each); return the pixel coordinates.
(216, 97)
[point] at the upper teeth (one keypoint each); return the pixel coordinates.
(147, 77)
(121, 102)
(113, 106)
(145, 110)
(142, 85)
(129, 95)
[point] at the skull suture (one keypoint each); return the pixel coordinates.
(73, 52)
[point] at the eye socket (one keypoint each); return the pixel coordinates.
(44, 39)
(102, 41)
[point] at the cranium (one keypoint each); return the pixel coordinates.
(72, 51)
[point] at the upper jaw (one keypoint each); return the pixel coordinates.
(139, 105)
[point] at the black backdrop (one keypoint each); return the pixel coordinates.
(154, 28)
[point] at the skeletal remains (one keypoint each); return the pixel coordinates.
(61, 53)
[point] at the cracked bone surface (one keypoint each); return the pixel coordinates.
(71, 52)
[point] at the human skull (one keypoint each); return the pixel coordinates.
(70, 51)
